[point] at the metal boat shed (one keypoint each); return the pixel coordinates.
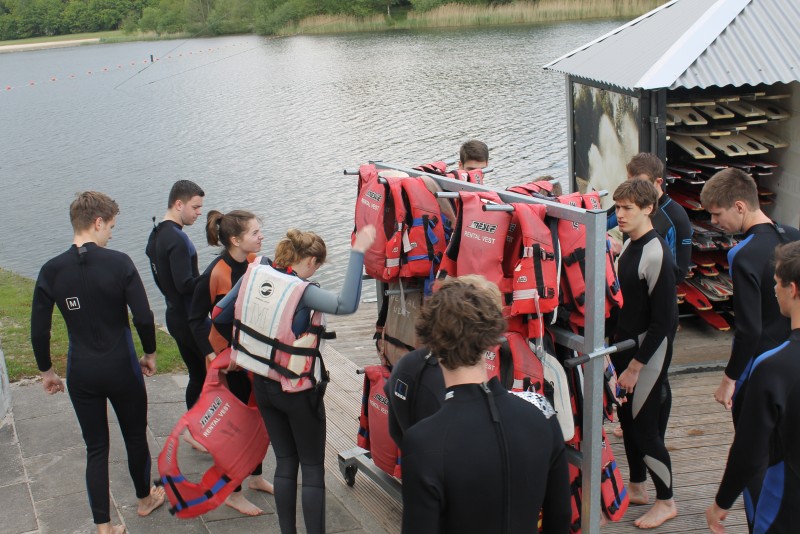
(702, 47)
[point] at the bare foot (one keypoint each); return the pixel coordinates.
(637, 493)
(151, 502)
(108, 528)
(260, 484)
(238, 502)
(617, 431)
(658, 514)
(187, 437)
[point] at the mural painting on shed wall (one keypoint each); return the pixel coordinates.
(605, 135)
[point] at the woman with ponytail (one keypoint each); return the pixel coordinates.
(290, 397)
(239, 233)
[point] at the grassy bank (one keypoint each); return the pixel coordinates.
(16, 294)
(458, 15)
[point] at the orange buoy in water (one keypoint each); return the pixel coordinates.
(8, 87)
(31, 82)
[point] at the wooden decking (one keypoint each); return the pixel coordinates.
(698, 436)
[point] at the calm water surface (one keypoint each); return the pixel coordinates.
(265, 125)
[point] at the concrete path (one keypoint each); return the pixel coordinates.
(48, 44)
(42, 462)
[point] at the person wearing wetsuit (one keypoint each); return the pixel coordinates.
(93, 288)
(669, 220)
(415, 391)
(767, 431)
(649, 315)
(173, 262)
(295, 420)
(470, 467)
(731, 197)
(239, 232)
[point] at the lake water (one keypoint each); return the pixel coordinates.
(266, 125)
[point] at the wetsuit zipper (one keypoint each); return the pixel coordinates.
(82, 251)
(501, 438)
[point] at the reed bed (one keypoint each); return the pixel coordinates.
(460, 15)
(529, 12)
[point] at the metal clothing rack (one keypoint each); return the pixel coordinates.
(591, 345)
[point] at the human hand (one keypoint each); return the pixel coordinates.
(364, 238)
(724, 393)
(714, 518)
(51, 383)
(616, 245)
(628, 379)
(148, 364)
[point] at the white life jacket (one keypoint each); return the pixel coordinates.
(263, 341)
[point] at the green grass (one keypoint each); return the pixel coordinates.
(16, 293)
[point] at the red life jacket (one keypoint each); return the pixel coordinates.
(382, 206)
(478, 241)
(373, 423)
(515, 364)
(535, 278)
(423, 238)
(572, 238)
(614, 497)
(474, 176)
(576, 498)
(435, 167)
(542, 188)
(232, 432)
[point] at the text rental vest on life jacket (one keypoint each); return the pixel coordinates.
(263, 341)
(232, 432)
(479, 240)
(373, 423)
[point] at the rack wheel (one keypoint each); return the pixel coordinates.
(350, 475)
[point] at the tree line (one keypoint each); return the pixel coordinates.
(34, 18)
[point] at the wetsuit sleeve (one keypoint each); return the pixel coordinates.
(198, 315)
(747, 310)
(556, 508)
(611, 221)
(180, 266)
(224, 309)
(750, 449)
(346, 301)
(657, 268)
(41, 322)
(136, 297)
(683, 243)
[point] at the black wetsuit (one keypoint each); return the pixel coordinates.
(649, 315)
(676, 229)
(173, 262)
(759, 323)
(415, 391)
(464, 472)
(93, 288)
(768, 432)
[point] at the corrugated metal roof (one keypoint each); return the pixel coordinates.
(695, 43)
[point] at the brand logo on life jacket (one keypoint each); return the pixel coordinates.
(489, 355)
(73, 303)
(483, 227)
(522, 279)
(211, 411)
(266, 289)
(374, 196)
(380, 398)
